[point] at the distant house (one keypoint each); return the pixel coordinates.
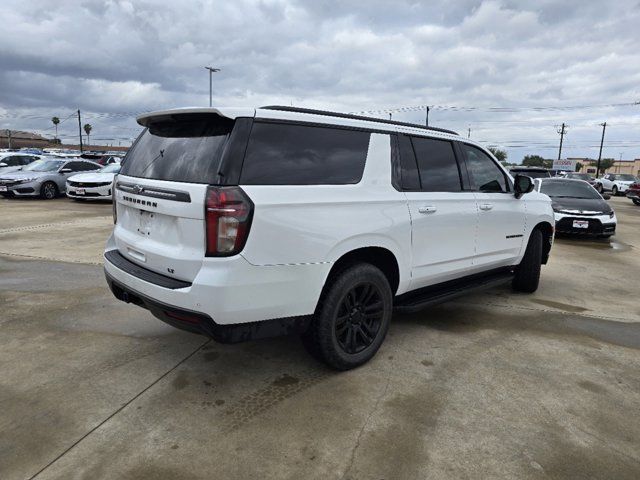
(21, 139)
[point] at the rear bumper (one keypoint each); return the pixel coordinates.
(226, 291)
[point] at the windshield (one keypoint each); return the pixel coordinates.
(113, 168)
(569, 189)
(626, 178)
(44, 166)
(181, 148)
(580, 176)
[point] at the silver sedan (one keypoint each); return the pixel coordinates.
(45, 178)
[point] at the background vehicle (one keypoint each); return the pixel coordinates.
(533, 172)
(633, 192)
(240, 224)
(578, 208)
(14, 161)
(45, 178)
(616, 183)
(92, 186)
(581, 176)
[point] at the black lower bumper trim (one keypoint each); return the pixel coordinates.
(203, 324)
(118, 260)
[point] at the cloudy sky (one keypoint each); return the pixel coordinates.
(512, 71)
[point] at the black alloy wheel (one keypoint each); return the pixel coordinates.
(49, 191)
(359, 318)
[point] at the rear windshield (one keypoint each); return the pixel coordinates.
(180, 148)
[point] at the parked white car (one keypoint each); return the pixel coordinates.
(242, 224)
(93, 186)
(616, 183)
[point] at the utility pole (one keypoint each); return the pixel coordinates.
(427, 115)
(211, 72)
(9, 138)
(80, 130)
(562, 133)
(390, 115)
(469, 135)
(604, 127)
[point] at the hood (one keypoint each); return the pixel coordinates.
(20, 175)
(581, 205)
(92, 177)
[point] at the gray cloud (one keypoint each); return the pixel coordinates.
(113, 58)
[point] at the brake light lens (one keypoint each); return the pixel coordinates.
(228, 214)
(113, 200)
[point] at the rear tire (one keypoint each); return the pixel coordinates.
(48, 191)
(527, 275)
(352, 318)
(636, 201)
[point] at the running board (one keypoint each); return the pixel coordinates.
(425, 297)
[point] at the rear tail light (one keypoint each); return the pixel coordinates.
(113, 200)
(228, 214)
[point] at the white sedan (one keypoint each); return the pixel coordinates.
(93, 186)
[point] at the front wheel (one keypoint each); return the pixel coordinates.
(636, 201)
(527, 275)
(600, 188)
(614, 191)
(49, 190)
(352, 318)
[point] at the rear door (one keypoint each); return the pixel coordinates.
(443, 213)
(501, 216)
(160, 192)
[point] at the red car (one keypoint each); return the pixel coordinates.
(633, 192)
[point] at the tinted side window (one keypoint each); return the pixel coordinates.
(74, 166)
(409, 176)
(13, 161)
(437, 164)
(279, 154)
(486, 175)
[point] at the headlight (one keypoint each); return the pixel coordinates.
(27, 180)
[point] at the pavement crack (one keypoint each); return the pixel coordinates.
(122, 407)
(356, 445)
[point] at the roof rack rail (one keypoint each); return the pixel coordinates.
(311, 111)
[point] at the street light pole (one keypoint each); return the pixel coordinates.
(212, 70)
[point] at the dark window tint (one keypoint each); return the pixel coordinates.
(484, 172)
(181, 148)
(12, 161)
(74, 166)
(409, 177)
(437, 164)
(86, 166)
(280, 154)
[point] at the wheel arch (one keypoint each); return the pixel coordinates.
(547, 239)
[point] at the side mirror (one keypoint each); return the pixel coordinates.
(66, 170)
(606, 196)
(522, 184)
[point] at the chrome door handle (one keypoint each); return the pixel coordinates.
(427, 209)
(486, 206)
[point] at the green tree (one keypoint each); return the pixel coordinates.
(87, 129)
(500, 155)
(606, 164)
(533, 161)
(55, 121)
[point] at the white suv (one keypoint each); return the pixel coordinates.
(241, 224)
(616, 183)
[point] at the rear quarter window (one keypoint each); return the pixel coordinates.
(285, 154)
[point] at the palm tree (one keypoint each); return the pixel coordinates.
(87, 129)
(55, 121)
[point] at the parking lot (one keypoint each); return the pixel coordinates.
(493, 385)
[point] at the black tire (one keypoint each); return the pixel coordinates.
(600, 188)
(527, 275)
(636, 201)
(614, 191)
(352, 318)
(48, 191)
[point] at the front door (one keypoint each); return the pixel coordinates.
(501, 216)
